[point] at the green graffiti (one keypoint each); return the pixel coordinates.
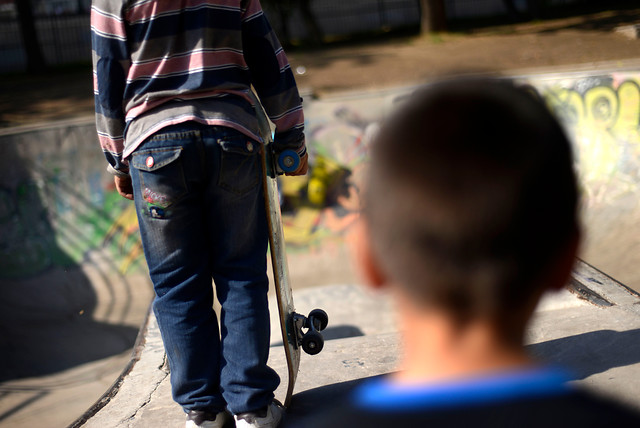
(52, 222)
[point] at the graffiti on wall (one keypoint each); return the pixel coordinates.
(57, 204)
(41, 230)
(601, 114)
(325, 203)
(61, 204)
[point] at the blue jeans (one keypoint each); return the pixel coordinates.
(200, 206)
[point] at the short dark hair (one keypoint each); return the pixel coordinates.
(470, 196)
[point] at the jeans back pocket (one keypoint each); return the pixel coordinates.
(162, 180)
(239, 163)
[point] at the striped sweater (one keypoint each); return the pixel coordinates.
(161, 62)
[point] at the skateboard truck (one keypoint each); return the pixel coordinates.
(310, 341)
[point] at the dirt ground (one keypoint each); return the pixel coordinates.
(379, 62)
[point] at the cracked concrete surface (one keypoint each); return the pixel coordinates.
(146, 381)
(600, 344)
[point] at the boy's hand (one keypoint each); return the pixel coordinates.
(124, 186)
(303, 168)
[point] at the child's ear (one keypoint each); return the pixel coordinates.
(561, 270)
(363, 256)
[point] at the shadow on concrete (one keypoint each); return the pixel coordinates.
(604, 22)
(61, 305)
(305, 404)
(341, 332)
(585, 16)
(69, 93)
(46, 326)
(591, 353)
(584, 355)
(47, 302)
(335, 332)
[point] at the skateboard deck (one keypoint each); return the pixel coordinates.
(291, 323)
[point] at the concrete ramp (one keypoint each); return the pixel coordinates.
(594, 329)
(600, 343)
(600, 111)
(72, 291)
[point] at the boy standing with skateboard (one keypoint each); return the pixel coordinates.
(470, 215)
(176, 122)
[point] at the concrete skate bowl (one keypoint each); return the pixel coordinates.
(73, 287)
(599, 110)
(73, 292)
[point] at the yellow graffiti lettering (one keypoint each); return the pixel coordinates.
(628, 123)
(601, 105)
(567, 105)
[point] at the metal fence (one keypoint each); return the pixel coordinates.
(64, 39)
(67, 39)
(477, 8)
(340, 18)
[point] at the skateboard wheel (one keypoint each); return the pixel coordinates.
(318, 319)
(288, 160)
(312, 343)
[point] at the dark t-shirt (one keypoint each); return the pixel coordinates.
(535, 398)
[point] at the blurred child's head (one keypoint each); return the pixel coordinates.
(471, 198)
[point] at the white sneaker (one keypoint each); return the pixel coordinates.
(202, 419)
(266, 419)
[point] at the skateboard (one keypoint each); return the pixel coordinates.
(298, 332)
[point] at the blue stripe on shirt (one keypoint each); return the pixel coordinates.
(117, 49)
(382, 395)
(166, 26)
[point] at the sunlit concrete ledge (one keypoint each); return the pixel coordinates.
(599, 342)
